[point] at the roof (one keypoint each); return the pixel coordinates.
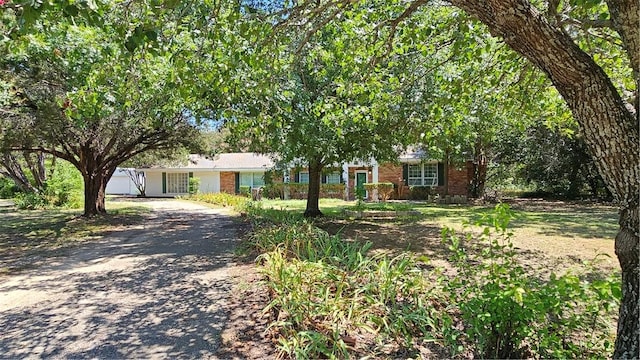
(227, 162)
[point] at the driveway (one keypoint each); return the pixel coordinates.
(157, 290)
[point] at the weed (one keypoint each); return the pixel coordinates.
(508, 314)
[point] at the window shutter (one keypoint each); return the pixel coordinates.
(296, 177)
(440, 174)
(405, 173)
(190, 175)
(324, 179)
(237, 183)
(164, 182)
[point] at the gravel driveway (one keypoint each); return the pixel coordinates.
(157, 290)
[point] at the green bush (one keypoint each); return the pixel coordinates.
(245, 190)
(194, 185)
(65, 187)
(419, 192)
(273, 191)
(238, 203)
(508, 314)
(31, 201)
(385, 189)
(8, 188)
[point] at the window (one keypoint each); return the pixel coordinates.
(333, 178)
(423, 175)
(255, 179)
(415, 175)
(177, 183)
(303, 177)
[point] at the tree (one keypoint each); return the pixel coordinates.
(323, 107)
(13, 165)
(559, 41)
(97, 93)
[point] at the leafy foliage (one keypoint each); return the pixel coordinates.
(508, 314)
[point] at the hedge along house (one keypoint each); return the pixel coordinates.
(223, 173)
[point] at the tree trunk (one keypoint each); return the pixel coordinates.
(95, 184)
(14, 171)
(479, 170)
(628, 253)
(609, 127)
(313, 194)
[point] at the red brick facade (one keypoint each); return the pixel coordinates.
(458, 179)
(228, 182)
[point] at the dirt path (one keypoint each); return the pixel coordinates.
(162, 289)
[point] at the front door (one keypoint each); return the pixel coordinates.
(361, 179)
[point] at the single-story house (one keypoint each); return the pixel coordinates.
(230, 172)
(121, 183)
(224, 173)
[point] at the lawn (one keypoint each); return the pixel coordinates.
(555, 234)
(28, 236)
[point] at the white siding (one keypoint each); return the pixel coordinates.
(154, 183)
(209, 181)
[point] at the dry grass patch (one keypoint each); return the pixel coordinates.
(27, 237)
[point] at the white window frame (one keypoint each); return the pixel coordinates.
(306, 173)
(253, 176)
(334, 178)
(177, 183)
(423, 179)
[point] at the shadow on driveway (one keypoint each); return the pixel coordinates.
(157, 291)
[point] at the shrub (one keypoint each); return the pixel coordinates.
(385, 190)
(8, 188)
(419, 192)
(194, 185)
(238, 203)
(508, 314)
(31, 201)
(273, 191)
(245, 190)
(65, 186)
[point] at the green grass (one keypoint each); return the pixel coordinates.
(581, 221)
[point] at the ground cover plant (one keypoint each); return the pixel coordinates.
(332, 296)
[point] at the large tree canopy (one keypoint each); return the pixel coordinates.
(97, 93)
(590, 51)
(322, 105)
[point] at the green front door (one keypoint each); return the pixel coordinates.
(361, 179)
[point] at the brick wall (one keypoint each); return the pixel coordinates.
(228, 182)
(458, 179)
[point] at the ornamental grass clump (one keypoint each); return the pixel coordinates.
(329, 299)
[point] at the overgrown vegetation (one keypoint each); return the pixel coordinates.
(62, 189)
(236, 202)
(508, 313)
(331, 298)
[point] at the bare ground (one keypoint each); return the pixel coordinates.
(166, 288)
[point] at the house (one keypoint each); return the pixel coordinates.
(223, 173)
(412, 175)
(121, 183)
